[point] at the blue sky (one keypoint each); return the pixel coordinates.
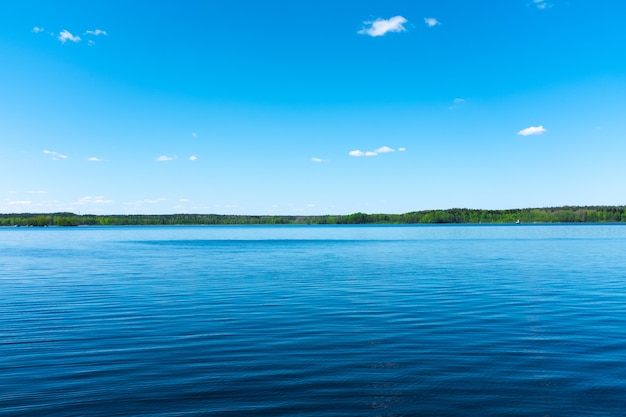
(311, 107)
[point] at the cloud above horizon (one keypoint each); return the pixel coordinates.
(94, 159)
(96, 32)
(358, 153)
(431, 22)
(19, 202)
(164, 158)
(383, 149)
(55, 155)
(65, 36)
(147, 201)
(93, 200)
(379, 27)
(458, 102)
(532, 130)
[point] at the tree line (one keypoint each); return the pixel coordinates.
(565, 214)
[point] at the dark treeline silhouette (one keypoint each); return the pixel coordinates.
(566, 214)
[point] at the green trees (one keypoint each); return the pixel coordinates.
(566, 214)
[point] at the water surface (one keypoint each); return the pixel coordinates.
(313, 321)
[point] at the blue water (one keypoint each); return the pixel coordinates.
(313, 321)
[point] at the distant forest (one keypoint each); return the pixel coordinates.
(566, 214)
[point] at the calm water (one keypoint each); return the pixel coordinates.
(313, 321)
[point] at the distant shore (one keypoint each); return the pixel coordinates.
(564, 214)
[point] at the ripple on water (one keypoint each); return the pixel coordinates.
(397, 321)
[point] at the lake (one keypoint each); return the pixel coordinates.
(446, 320)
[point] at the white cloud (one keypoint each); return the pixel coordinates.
(93, 200)
(55, 155)
(184, 200)
(96, 32)
(358, 153)
(19, 203)
(384, 149)
(163, 158)
(37, 29)
(541, 4)
(149, 201)
(458, 102)
(94, 159)
(317, 160)
(65, 36)
(431, 22)
(379, 27)
(193, 158)
(532, 130)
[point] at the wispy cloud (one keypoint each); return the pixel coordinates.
(358, 153)
(379, 27)
(431, 22)
(96, 32)
(382, 149)
(541, 4)
(94, 159)
(458, 102)
(55, 155)
(193, 158)
(164, 158)
(194, 134)
(93, 200)
(65, 36)
(532, 130)
(147, 201)
(317, 160)
(19, 202)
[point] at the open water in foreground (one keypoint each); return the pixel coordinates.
(313, 321)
